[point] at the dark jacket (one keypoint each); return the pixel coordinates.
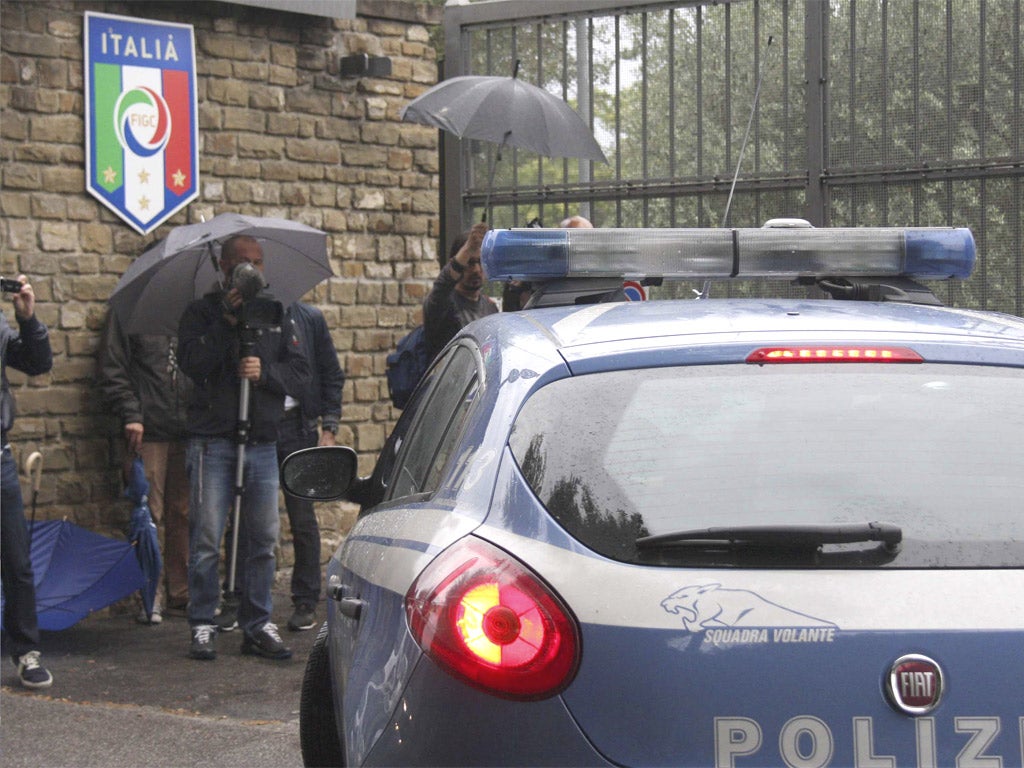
(209, 350)
(319, 395)
(446, 311)
(140, 381)
(26, 350)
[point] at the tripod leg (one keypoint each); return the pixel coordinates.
(243, 429)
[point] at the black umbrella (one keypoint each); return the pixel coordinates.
(505, 111)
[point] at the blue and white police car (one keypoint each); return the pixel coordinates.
(712, 532)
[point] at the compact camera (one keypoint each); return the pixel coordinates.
(10, 286)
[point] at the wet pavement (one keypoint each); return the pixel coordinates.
(133, 679)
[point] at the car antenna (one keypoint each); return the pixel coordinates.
(705, 289)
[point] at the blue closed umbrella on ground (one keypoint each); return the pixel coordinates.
(143, 534)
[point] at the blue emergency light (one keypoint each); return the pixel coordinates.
(924, 253)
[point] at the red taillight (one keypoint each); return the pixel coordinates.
(834, 354)
(488, 620)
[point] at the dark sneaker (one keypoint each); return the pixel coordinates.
(227, 619)
(32, 673)
(303, 618)
(266, 642)
(202, 648)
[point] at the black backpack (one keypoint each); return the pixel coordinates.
(406, 366)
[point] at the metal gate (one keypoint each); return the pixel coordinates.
(846, 113)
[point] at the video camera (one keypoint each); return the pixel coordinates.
(259, 310)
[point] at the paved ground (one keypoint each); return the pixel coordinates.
(127, 694)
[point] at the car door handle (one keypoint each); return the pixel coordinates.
(351, 607)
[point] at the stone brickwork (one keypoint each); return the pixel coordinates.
(281, 134)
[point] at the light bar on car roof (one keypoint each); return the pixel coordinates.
(925, 253)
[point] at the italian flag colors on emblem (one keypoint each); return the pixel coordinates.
(141, 125)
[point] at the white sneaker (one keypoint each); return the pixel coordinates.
(145, 618)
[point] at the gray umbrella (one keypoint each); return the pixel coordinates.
(505, 111)
(153, 293)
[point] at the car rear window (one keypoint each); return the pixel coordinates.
(937, 450)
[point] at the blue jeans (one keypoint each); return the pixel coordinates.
(211, 467)
(20, 623)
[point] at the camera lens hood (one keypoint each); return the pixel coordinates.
(248, 280)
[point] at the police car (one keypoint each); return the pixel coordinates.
(699, 532)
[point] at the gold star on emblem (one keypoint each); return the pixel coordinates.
(179, 178)
(109, 175)
(144, 177)
(144, 203)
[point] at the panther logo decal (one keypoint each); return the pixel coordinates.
(706, 606)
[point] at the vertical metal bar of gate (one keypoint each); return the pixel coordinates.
(585, 92)
(883, 194)
(757, 114)
(817, 206)
(515, 151)
(700, 112)
(949, 97)
(728, 100)
(851, 100)
(787, 117)
(917, 108)
(1017, 124)
(646, 207)
(565, 96)
(672, 111)
(540, 84)
(982, 270)
(618, 119)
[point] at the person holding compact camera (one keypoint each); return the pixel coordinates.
(242, 357)
(26, 349)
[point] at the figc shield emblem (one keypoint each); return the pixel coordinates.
(142, 158)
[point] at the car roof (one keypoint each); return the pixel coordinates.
(565, 327)
(631, 334)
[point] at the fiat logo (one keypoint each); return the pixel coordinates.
(915, 684)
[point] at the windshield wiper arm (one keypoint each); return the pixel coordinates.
(781, 536)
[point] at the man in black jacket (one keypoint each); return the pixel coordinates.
(456, 298)
(318, 399)
(27, 350)
(139, 377)
(219, 350)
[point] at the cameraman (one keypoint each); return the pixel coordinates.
(217, 349)
(27, 350)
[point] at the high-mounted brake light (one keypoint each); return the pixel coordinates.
(834, 354)
(688, 254)
(486, 619)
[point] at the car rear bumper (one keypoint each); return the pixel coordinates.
(441, 721)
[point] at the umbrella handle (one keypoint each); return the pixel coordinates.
(34, 469)
(490, 176)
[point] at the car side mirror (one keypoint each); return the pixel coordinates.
(323, 473)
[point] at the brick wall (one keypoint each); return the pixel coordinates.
(281, 134)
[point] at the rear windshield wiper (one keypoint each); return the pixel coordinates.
(777, 536)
